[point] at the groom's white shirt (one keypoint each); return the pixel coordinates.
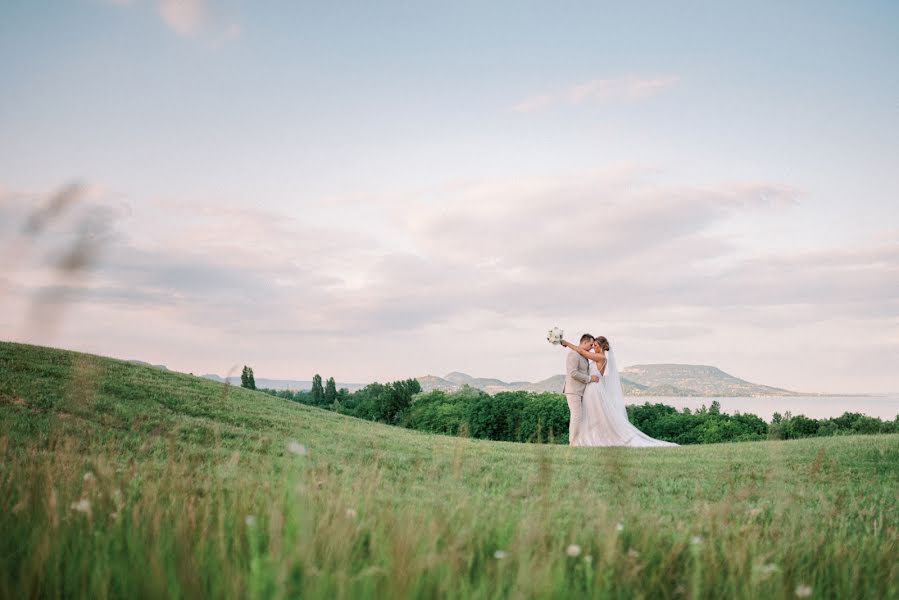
(577, 374)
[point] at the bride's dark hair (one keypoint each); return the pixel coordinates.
(603, 342)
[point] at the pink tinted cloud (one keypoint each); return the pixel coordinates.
(627, 89)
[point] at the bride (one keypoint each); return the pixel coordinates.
(604, 417)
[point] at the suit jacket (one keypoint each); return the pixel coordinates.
(577, 373)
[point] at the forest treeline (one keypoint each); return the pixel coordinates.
(543, 417)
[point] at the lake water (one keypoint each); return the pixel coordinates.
(884, 406)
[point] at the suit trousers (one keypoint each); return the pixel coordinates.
(574, 424)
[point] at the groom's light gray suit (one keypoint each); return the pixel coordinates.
(577, 376)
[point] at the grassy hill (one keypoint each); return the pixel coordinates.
(123, 480)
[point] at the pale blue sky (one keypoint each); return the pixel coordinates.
(351, 119)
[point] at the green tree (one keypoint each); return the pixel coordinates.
(245, 377)
(330, 392)
(386, 403)
(251, 380)
(318, 392)
(544, 418)
(497, 417)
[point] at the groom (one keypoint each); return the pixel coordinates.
(577, 376)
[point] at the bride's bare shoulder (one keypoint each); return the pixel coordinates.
(596, 356)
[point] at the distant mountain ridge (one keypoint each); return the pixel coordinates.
(697, 380)
(637, 380)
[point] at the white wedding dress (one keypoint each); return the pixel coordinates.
(603, 415)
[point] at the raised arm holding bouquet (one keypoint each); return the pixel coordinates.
(596, 352)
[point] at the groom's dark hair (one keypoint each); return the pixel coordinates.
(586, 337)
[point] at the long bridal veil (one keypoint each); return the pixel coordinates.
(613, 395)
(605, 421)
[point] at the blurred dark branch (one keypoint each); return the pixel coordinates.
(76, 257)
(68, 195)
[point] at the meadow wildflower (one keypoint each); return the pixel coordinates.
(767, 569)
(297, 448)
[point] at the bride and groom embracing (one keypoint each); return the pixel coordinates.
(595, 399)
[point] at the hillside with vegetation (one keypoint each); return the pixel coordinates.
(120, 480)
(638, 380)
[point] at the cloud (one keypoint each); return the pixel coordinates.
(185, 17)
(617, 250)
(194, 19)
(508, 248)
(539, 226)
(534, 103)
(625, 89)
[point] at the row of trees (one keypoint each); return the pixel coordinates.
(710, 425)
(386, 403)
(323, 395)
(543, 417)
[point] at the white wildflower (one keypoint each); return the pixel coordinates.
(500, 554)
(89, 476)
(803, 591)
(633, 553)
(82, 506)
(619, 527)
(351, 513)
(297, 448)
(767, 569)
(573, 550)
(250, 521)
(696, 540)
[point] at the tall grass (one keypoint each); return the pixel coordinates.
(118, 480)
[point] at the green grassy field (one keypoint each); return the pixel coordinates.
(123, 481)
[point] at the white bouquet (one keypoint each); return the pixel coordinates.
(554, 336)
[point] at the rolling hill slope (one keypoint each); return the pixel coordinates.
(125, 480)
